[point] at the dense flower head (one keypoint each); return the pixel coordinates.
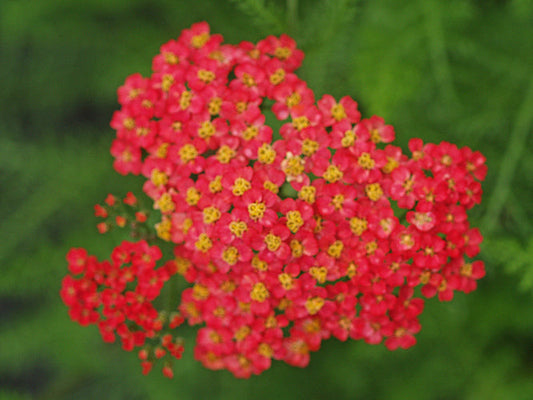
(286, 238)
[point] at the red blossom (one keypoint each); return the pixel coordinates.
(286, 237)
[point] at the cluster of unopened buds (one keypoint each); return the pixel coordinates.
(321, 228)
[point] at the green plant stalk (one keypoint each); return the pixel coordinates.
(513, 153)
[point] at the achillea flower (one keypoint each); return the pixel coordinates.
(286, 238)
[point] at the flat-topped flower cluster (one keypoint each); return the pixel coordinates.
(321, 228)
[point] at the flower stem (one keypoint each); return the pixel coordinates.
(292, 17)
(513, 154)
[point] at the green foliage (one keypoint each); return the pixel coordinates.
(454, 70)
(514, 257)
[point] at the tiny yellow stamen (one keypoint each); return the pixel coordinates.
(266, 154)
(335, 250)
(259, 264)
(319, 273)
(225, 154)
(211, 215)
(259, 292)
(238, 228)
(309, 147)
(193, 196)
(286, 281)
(333, 174)
(294, 220)
(256, 210)
(206, 76)
(203, 243)
(215, 185)
(365, 161)
(158, 178)
(314, 304)
(240, 186)
(273, 242)
(188, 153)
(206, 130)
(338, 112)
(165, 203)
(231, 255)
(277, 77)
(374, 191)
(307, 194)
(300, 123)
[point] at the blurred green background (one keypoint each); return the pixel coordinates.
(460, 71)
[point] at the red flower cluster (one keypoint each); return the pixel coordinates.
(117, 295)
(288, 237)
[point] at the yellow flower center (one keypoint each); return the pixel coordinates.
(337, 201)
(171, 58)
(265, 350)
(266, 154)
(294, 220)
(185, 99)
(166, 82)
(285, 280)
(297, 249)
(293, 166)
(128, 123)
(206, 76)
(319, 273)
(165, 203)
(230, 255)
(307, 194)
(200, 40)
(225, 154)
(375, 136)
(277, 77)
(348, 139)
(250, 132)
(203, 243)
(391, 165)
(256, 210)
(200, 292)
(314, 304)
(238, 228)
(215, 185)
(373, 191)
(248, 80)
(358, 225)
(214, 105)
(271, 186)
(206, 130)
(300, 123)
(338, 112)
(282, 53)
(293, 100)
(163, 229)
(309, 147)
(371, 247)
(188, 153)
(162, 150)
(273, 242)
(192, 197)
(332, 174)
(158, 178)
(259, 264)
(365, 161)
(335, 249)
(211, 215)
(259, 292)
(240, 186)
(242, 333)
